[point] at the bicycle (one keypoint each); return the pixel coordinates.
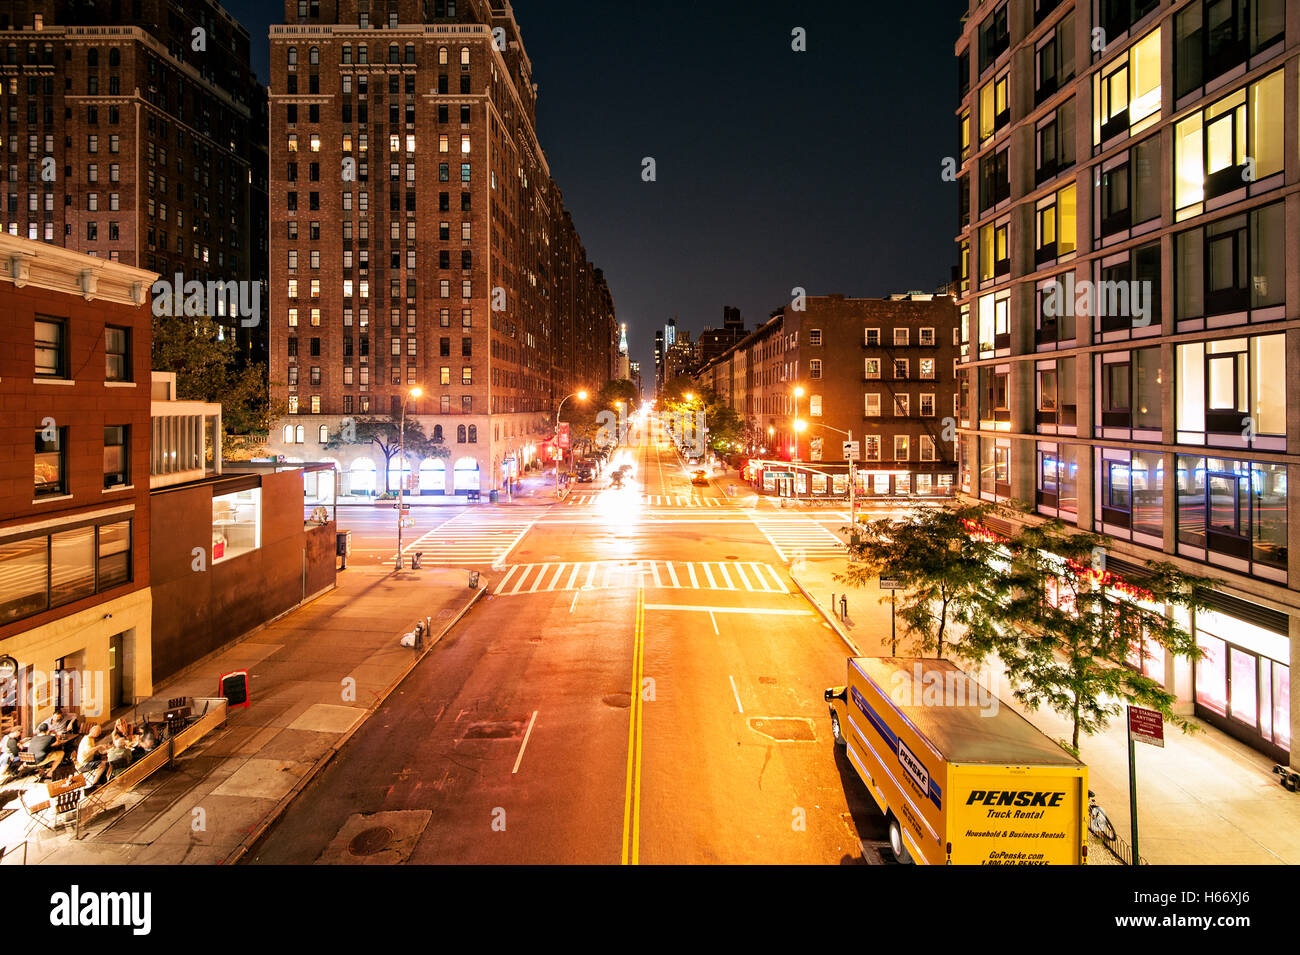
(1098, 821)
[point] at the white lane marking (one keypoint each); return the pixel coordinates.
(714, 621)
(575, 600)
(559, 569)
(506, 579)
(722, 569)
(758, 610)
(573, 577)
(735, 693)
(695, 583)
(672, 575)
(709, 574)
(520, 758)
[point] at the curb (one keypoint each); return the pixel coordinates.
(249, 842)
(829, 617)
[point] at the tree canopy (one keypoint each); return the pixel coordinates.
(205, 359)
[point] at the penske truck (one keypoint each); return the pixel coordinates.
(960, 778)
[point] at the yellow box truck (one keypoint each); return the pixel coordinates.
(961, 779)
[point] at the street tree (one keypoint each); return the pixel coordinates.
(208, 368)
(1075, 626)
(383, 433)
(951, 589)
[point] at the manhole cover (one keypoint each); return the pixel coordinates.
(771, 680)
(503, 729)
(620, 700)
(370, 841)
(731, 557)
(785, 729)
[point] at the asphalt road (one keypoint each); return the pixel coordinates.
(644, 684)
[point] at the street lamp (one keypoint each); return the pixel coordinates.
(581, 396)
(801, 425)
(401, 441)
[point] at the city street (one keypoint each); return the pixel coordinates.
(644, 684)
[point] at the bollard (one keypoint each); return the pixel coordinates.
(844, 607)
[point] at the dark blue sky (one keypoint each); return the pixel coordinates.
(775, 168)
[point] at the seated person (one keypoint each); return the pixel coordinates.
(123, 728)
(148, 741)
(90, 748)
(40, 745)
(9, 751)
(119, 752)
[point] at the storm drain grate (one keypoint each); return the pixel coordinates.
(503, 729)
(786, 729)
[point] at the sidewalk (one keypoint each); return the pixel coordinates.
(1204, 799)
(315, 675)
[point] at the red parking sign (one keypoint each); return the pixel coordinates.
(1146, 726)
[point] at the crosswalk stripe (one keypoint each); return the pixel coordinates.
(506, 579)
(750, 576)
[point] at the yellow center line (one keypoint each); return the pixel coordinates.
(632, 791)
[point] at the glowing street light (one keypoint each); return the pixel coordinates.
(581, 395)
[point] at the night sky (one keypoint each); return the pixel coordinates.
(775, 168)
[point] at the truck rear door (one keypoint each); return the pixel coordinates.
(1027, 815)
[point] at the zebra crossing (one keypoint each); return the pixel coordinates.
(749, 576)
(656, 500)
(793, 535)
(470, 539)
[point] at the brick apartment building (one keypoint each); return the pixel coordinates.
(417, 239)
(1165, 164)
(123, 141)
(75, 599)
(880, 369)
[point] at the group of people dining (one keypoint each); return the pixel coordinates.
(99, 753)
(50, 735)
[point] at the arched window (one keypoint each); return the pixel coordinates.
(460, 434)
(288, 434)
(464, 58)
(347, 55)
(437, 434)
(442, 56)
(313, 55)
(299, 434)
(114, 57)
(293, 56)
(394, 56)
(473, 434)
(410, 53)
(324, 435)
(92, 57)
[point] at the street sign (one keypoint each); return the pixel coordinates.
(1146, 726)
(780, 474)
(851, 451)
(890, 583)
(402, 507)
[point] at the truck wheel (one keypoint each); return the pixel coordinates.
(836, 734)
(901, 855)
